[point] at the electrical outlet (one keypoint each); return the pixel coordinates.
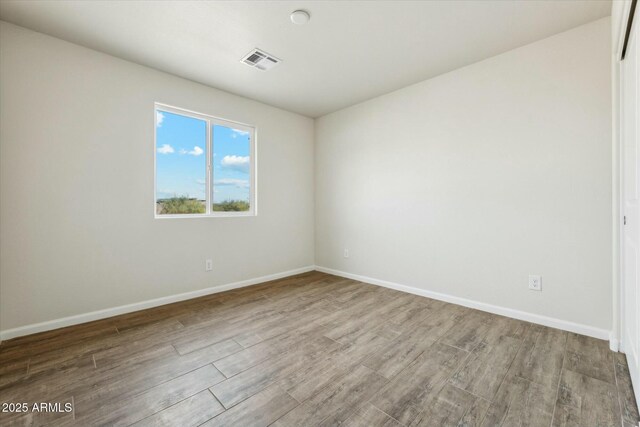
(535, 282)
(346, 253)
(208, 265)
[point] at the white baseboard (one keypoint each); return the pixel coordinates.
(495, 309)
(614, 343)
(503, 311)
(123, 309)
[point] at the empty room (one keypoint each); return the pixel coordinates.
(320, 213)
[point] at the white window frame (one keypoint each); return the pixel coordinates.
(211, 121)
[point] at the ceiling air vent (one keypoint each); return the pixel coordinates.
(261, 60)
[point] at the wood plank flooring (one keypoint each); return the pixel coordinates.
(315, 350)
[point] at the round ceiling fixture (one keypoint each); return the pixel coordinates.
(300, 17)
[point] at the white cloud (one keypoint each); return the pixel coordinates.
(239, 163)
(159, 118)
(236, 132)
(196, 151)
(240, 183)
(166, 149)
(201, 181)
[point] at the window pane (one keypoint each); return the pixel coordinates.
(231, 170)
(181, 164)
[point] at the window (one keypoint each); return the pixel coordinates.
(204, 166)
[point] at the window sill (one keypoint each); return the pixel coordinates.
(220, 215)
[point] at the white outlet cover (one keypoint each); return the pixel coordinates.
(208, 265)
(346, 253)
(535, 282)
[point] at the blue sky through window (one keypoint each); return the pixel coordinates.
(181, 163)
(181, 159)
(231, 164)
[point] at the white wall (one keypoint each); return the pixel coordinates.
(467, 183)
(76, 186)
(463, 184)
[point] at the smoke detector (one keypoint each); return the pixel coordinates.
(260, 59)
(300, 17)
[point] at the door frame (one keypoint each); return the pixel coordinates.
(620, 15)
(619, 18)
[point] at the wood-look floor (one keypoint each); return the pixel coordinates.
(316, 349)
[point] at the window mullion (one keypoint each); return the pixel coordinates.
(209, 180)
(210, 160)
